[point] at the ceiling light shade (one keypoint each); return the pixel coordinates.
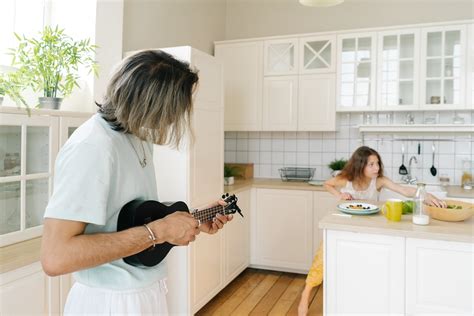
(320, 3)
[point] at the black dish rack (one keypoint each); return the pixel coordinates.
(296, 173)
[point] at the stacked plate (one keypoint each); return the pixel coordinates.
(358, 208)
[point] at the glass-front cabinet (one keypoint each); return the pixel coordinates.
(443, 62)
(317, 54)
(28, 147)
(356, 72)
(397, 70)
(470, 68)
(281, 57)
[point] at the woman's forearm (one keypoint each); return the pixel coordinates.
(86, 251)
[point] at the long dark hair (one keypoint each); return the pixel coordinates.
(354, 168)
(150, 96)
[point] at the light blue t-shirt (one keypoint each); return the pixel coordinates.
(97, 172)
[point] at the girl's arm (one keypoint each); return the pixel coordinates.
(410, 192)
(332, 185)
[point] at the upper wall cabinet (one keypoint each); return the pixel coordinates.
(470, 68)
(281, 57)
(242, 64)
(317, 54)
(443, 67)
(397, 70)
(356, 72)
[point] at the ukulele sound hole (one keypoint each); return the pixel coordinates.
(147, 220)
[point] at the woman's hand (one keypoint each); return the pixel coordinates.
(433, 201)
(345, 196)
(218, 222)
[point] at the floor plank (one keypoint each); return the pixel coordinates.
(256, 295)
(272, 296)
(224, 295)
(316, 306)
(238, 296)
(291, 294)
(293, 311)
(263, 292)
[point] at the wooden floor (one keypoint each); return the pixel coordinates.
(262, 292)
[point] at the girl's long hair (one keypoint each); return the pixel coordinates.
(150, 96)
(354, 168)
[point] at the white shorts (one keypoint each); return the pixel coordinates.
(86, 300)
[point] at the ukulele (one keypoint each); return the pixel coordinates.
(139, 212)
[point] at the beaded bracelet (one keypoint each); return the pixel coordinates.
(151, 236)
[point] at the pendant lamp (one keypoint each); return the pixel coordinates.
(320, 3)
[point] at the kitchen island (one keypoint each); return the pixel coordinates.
(377, 266)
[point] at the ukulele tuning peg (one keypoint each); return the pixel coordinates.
(223, 196)
(227, 194)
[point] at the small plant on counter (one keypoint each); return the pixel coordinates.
(337, 165)
(229, 174)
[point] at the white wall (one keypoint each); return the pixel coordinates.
(258, 18)
(166, 23)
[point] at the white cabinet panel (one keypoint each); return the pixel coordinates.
(28, 291)
(324, 203)
(243, 79)
(470, 67)
(281, 57)
(443, 67)
(397, 70)
(237, 239)
(317, 54)
(364, 274)
(440, 277)
(356, 62)
(317, 103)
(283, 229)
(280, 103)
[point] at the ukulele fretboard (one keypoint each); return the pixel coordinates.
(208, 214)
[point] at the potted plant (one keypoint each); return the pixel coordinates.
(336, 166)
(229, 174)
(51, 63)
(11, 85)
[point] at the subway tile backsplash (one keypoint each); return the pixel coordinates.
(269, 151)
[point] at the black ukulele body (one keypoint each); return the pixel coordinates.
(139, 212)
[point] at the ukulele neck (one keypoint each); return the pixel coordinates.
(208, 214)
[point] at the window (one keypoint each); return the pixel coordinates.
(23, 17)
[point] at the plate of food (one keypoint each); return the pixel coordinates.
(358, 208)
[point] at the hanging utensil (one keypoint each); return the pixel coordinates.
(403, 170)
(433, 169)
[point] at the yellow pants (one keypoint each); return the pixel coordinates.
(315, 274)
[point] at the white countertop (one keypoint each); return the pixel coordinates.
(378, 224)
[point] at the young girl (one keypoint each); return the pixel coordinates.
(361, 179)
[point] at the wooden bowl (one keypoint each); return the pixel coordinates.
(451, 215)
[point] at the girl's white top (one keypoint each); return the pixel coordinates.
(370, 193)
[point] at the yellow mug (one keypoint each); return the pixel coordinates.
(392, 209)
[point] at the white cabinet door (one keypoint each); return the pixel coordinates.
(364, 274)
(28, 291)
(281, 57)
(206, 268)
(317, 103)
(439, 278)
(443, 67)
(67, 126)
(470, 67)
(356, 56)
(243, 79)
(283, 229)
(30, 145)
(397, 70)
(317, 54)
(237, 239)
(324, 203)
(280, 103)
